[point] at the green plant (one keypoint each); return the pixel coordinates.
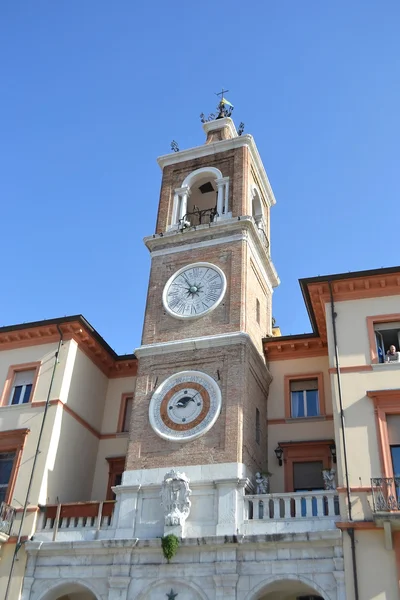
(169, 545)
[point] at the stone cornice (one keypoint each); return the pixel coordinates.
(107, 546)
(198, 343)
(88, 340)
(219, 232)
(222, 146)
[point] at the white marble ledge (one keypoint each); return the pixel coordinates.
(105, 546)
(386, 366)
(197, 474)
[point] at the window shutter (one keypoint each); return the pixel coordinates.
(308, 475)
(300, 385)
(24, 377)
(393, 425)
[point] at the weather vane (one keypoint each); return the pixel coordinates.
(224, 108)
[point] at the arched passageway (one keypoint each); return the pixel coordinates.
(69, 591)
(289, 590)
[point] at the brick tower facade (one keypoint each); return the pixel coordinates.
(214, 207)
(213, 217)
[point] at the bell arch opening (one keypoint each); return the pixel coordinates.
(202, 197)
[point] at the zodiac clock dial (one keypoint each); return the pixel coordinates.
(185, 406)
(194, 290)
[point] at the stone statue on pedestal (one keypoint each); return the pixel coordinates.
(262, 483)
(329, 479)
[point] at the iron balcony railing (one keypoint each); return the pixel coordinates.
(198, 217)
(385, 493)
(7, 515)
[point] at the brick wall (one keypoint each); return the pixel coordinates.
(244, 381)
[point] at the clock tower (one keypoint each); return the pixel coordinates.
(200, 403)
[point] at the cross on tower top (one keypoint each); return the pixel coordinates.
(221, 93)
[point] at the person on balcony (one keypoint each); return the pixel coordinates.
(392, 355)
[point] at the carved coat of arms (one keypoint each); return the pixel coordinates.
(175, 494)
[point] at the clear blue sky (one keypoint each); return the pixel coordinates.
(93, 91)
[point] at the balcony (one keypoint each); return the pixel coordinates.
(264, 514)
(198, 217)
(75, 521)
(7, 516)
(295, 512)
(386, 497)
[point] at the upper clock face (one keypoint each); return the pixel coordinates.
(185, 406)
(194, 290)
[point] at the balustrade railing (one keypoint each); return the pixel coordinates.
(198, 217)
(7, 516)
(296, 505)
(78, 515)
(385, 494)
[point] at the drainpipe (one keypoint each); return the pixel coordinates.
(37, 452)
(350, 531)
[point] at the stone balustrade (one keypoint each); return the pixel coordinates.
(77, 520)
(296, 511)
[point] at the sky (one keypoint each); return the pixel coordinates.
(92, 92)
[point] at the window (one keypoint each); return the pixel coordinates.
(21, 388)
(258, 310)
(304, 462)
(11, 449)
(307, 476)
(6, 467)
(386, 335)
(116, 468)
(304, 401)
(258, 429)
(304, 396)
(387, 411)
(383, 332)
(20, 384)
(125, 413)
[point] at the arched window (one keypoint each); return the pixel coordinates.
(258, 215)
(202, 197)
(256, 208)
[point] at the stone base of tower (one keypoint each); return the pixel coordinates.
(207, 568)
(217, 506)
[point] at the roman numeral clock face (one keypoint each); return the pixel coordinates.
(194, 290)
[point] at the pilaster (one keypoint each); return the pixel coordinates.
(225, 586)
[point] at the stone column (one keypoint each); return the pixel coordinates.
(180, 204)
(29, 577)
(222, 198)
(230, 500)
(118, 588)
(340, 585)
(125, 512)
(225, 586)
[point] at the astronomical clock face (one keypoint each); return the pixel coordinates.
(185, 406)
(193, 291)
